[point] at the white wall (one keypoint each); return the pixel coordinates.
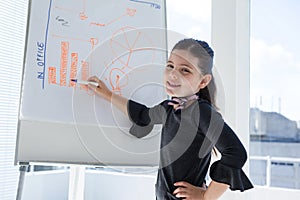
(119, 186)
(231, 42)
(46, 186)
(98, 186)
(108, 186)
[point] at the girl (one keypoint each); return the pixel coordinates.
(191, 128)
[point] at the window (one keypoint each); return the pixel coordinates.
(274, 78)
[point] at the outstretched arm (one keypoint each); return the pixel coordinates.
(102, 90)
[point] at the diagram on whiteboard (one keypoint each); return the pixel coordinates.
(122, 43)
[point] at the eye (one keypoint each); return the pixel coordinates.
(170, 66)
(186, 70)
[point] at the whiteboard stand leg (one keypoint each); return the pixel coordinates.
(76, 183)
(22, 169)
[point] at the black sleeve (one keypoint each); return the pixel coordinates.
(228, 169)
(144, 118)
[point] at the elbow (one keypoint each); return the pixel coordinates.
(244, 156)
(140, 131)
(241, 156)
(236, 157)
(141, 135)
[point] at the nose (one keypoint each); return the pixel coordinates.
(173, 74)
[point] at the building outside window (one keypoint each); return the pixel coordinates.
(275, 109)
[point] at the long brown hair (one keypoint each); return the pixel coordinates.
(205, 55)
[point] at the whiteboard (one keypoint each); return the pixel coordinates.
(121, 41)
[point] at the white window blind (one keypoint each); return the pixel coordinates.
(13, 18)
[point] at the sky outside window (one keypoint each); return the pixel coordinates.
(275, 61)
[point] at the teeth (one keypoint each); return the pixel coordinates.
(173, 85)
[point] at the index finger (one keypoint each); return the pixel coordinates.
(182, 184)
(93, 78)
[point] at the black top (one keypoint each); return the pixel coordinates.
(187, 139)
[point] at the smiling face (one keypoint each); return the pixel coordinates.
(182, 76)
